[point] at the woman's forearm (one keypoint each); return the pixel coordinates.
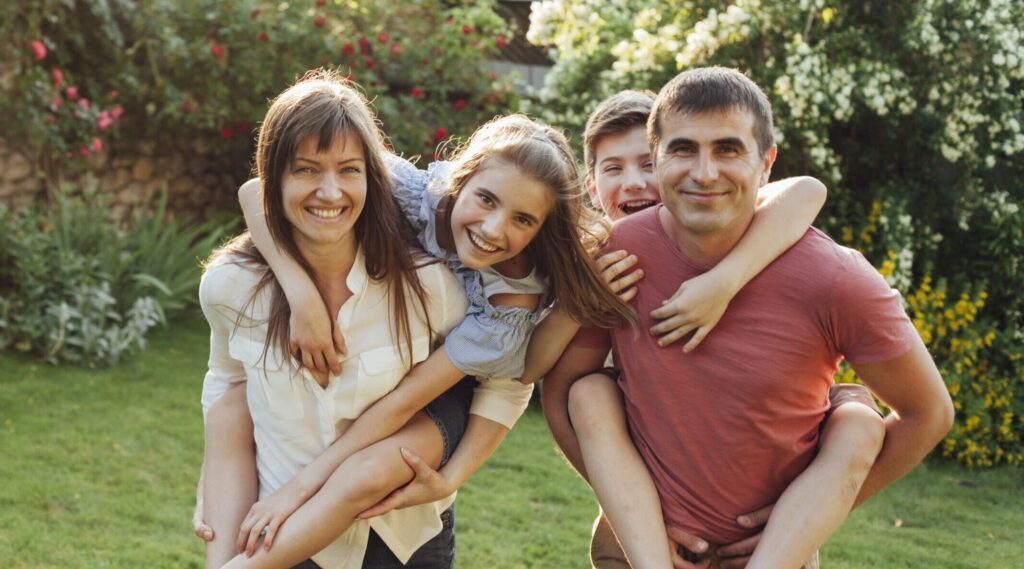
(420, 386)
(786, 209)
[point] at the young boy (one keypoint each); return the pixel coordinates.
(621, 180)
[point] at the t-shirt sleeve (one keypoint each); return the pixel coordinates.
(867, 320)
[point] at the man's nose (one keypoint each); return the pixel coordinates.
(704, 171)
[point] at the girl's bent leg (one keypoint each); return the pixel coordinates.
(230, 483)
(616, 471)
(360, 482)
(817, 501)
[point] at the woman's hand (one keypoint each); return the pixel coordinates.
(428, 486)
(615, 269)
(199, 526)
(266, 516)
(698, 305)
(315, 337)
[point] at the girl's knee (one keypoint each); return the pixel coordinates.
(368, 475)
(858, 430)
(595, 403)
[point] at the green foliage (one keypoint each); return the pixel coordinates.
(912, 113)
(206, 69)
(78, 288)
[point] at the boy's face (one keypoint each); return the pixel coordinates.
(623, 181)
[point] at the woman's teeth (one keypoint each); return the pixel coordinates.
(324, 213)
(481, 243)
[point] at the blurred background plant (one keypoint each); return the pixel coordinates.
(911, 112)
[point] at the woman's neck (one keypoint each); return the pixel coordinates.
(331, 264)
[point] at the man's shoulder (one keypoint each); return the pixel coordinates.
(638, 226)
(820, 251)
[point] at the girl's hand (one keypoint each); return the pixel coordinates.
(315, 337)
(199, 526)
(428, 486)
(698, 305)
(266, 516)
(614, 267)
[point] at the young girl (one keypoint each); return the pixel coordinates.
(507, 216)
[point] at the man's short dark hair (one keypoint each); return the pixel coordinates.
(712, 89)
(617, 114)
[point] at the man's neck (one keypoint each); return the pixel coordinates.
(706, 249)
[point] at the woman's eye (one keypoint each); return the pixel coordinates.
(351, 170)
(303, 170)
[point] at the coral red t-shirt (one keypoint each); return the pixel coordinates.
(726, 428)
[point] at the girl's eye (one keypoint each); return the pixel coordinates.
(485, 199)
(523, 220)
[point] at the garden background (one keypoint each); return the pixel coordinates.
(129, 124)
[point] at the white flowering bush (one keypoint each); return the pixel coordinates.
(911, 112)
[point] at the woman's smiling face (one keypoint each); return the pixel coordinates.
(324, 191)
(498, 212)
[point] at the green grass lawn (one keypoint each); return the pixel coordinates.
(98, 470)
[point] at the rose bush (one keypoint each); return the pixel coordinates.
(205, 70)
(911, 112)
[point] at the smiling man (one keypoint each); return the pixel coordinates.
(724, 430)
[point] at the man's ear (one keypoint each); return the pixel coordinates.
(769, 160)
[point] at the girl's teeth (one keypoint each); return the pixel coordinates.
(476, 241)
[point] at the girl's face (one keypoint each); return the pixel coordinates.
(324, 191)
(498, 212)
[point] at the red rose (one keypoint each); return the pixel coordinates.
(466, 30)
(38, 49)
(264, 37)
(84, 151)
(417, 93)
(84, 104)
(225, 132)
(241, 127)
(320, 3)
(364, 46)
(68, 155)
(116, 112)
(440, 133)
(114, 94)
(370, 63)
(500, 41)
(254, 14)
(396, 47)
(348, 49)
(319, 21)
(104, 121)
(97, 145)
(216, 50)
(382, 37)
(58, 78)
(186, 106)
(459, 104)
(72, 93)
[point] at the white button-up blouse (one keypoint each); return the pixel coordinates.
(295, 419)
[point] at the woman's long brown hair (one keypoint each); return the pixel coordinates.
(572, 234)
(322, 104)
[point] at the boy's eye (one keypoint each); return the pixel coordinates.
(648, 166)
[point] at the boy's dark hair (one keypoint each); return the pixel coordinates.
(616, 114)
(710, 89)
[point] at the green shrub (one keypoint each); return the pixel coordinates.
(205, 69)
(78, 288)
(911, 112)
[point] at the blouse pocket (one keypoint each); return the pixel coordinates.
(380, 370)
(274, 384)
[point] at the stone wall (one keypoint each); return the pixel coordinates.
(196, 187)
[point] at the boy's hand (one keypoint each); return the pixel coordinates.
(698, 305)
(428, 486)
(615, 268)
(315, 337)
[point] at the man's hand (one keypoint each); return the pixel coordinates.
(698, 304)
(427, 486)
(731, 556)
(315, 337)
(266, 516)
(615, 268)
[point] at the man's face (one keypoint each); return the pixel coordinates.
(623, 180)
(709, 169)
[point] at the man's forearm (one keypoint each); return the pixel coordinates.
(908, 440)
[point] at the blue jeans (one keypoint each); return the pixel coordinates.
(449, 412)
